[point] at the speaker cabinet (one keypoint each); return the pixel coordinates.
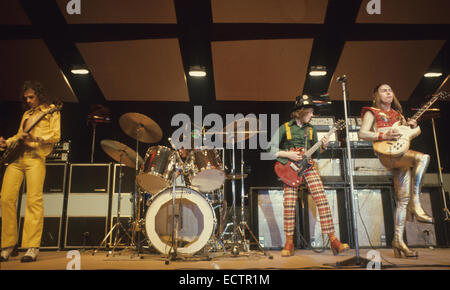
(268, 209)
(268, 217)
(54, 192)
(87, 204)
(374, 214)
(313, 232)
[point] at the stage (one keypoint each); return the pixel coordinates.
(429, 259)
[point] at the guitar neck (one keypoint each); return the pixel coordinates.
(316, 146)
(424, 108)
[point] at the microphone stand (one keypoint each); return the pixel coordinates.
(357, 260)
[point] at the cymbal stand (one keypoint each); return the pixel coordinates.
(136, 225)
(244, 225)
(441, 182)
(118, 223)
(176, 218)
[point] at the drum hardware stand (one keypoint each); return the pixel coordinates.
(137, 198)
(357, 260)
(118, 223)
(441, 182)
(243, 224)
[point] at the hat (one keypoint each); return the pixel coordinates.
(304, 101)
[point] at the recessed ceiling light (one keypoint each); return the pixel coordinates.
(197, 71)
(80, 71)
(432, 74)
(317, 71)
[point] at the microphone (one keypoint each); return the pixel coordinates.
(341, 79)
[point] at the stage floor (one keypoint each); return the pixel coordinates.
(429, 259)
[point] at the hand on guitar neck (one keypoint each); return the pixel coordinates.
(2, 143)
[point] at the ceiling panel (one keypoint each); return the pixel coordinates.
(260, 70)
(407, 12)
(368, 63)
(141, 70)
(269, 11)
(119, 11)
(12, 13)
(30, 60)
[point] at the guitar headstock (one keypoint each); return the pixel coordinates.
(442, 95)
(54, 108)
(339, 125)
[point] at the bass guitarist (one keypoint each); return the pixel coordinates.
(407, 170)
(295, 134)
(36, 144)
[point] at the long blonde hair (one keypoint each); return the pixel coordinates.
(376, 100)
(300, 113)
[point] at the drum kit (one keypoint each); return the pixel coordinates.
(179, 204)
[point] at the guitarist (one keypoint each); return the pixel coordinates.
(408, 170)
(37, 144)
(294, 134)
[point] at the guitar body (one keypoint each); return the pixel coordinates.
(395, 148)
(12, 153)
(16, 149)
(292, 173)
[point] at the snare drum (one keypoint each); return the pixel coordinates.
(157, 171)
(195, 224)
(207, 171)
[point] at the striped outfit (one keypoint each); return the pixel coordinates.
(290, 135)
(315, 187)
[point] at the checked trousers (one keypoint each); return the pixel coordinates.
(315, 188)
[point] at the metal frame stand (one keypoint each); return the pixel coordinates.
(118, 223)
(441, 181)
(357, 260)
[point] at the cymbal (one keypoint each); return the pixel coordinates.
(140, 127)
(237, 176)
(121, 153)
(240, 130)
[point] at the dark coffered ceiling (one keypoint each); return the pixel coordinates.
(253, 50)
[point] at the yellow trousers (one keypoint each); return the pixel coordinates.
(33, 168)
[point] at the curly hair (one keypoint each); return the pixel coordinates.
(376, 100)
(39, 90)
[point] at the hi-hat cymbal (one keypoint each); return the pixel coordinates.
(121, 153)
(140, 127)
(240, 130)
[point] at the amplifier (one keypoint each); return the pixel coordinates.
(330, 170)
(421, 234)
(316, 238)
(354, 123)
(87, 204)
(60, 153)
(355, 141)
(374, 212)
(268, 218)
(324, 124)
(370, 170)
(54, 192)
(269, 225)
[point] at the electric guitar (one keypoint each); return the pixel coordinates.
(395, 148)
(16, 148)
(292, 172)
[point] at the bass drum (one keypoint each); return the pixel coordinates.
(195, 224)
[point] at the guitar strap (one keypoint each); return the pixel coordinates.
(288, 131)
